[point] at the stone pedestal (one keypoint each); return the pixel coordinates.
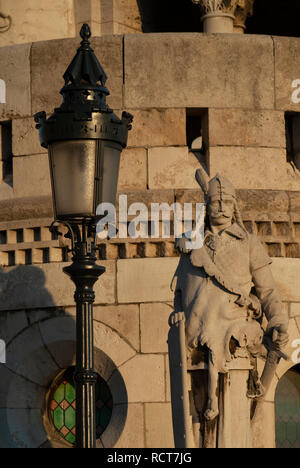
(234, 428)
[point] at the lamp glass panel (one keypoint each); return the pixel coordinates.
(72, 165)
(110, 171)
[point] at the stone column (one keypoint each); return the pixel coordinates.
(243, 10)
(218, 15)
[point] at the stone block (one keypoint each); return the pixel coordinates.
(27, 356)
(122, 318)
(244, 127)
(149, 196)
(39, 315)
(133, 170)
(89, 12)
(133, 433)
(250, 168)
(47, 81)
(26, 286)
(26, 427)
(110, 343)
(120, 17)
(17, 392)
(287, 70)
(37, 21)
(59, 335)
(11, 324)
(26, 138)
(189, 196)
(264, 205)
(145, 280)
(294, 309)
(159, 433)
(25, 208)
(294, 200)
(137, 374)
(15, 72)
(286, 273)
(154, 327)
(31, 176)
(172, 167)
(201, 70)
(158, 127)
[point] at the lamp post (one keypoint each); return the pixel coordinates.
(84, 140)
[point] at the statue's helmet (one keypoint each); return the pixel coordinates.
(219, 188)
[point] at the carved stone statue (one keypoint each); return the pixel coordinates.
(223, 290)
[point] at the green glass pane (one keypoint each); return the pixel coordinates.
(70, 418)
(291, 432)
(105, 416)
(58, 418)
(104, 392)
(59, 394)
(64, 417)
(70, 394)
(70, 438)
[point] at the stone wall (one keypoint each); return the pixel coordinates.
(41, 20)
(133, 303)
(242, 87)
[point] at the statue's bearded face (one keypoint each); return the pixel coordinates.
(220, 210)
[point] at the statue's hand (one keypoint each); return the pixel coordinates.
(280, 337)
(180, 245)
(176, 317)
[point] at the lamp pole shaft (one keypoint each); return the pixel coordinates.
(84, 273)
(85, 376)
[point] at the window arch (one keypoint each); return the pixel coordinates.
(287, 409)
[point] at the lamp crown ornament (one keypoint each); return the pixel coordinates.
(85, 67)
(84, 112)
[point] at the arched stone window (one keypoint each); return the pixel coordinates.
(62, 405)
(287, 408)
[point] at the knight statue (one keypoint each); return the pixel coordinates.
(224, 291)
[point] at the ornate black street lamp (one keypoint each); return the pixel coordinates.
(84, 140)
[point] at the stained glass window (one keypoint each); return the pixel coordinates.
(63, 406)
(287, 404)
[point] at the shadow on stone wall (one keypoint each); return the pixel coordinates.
(23, 287)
